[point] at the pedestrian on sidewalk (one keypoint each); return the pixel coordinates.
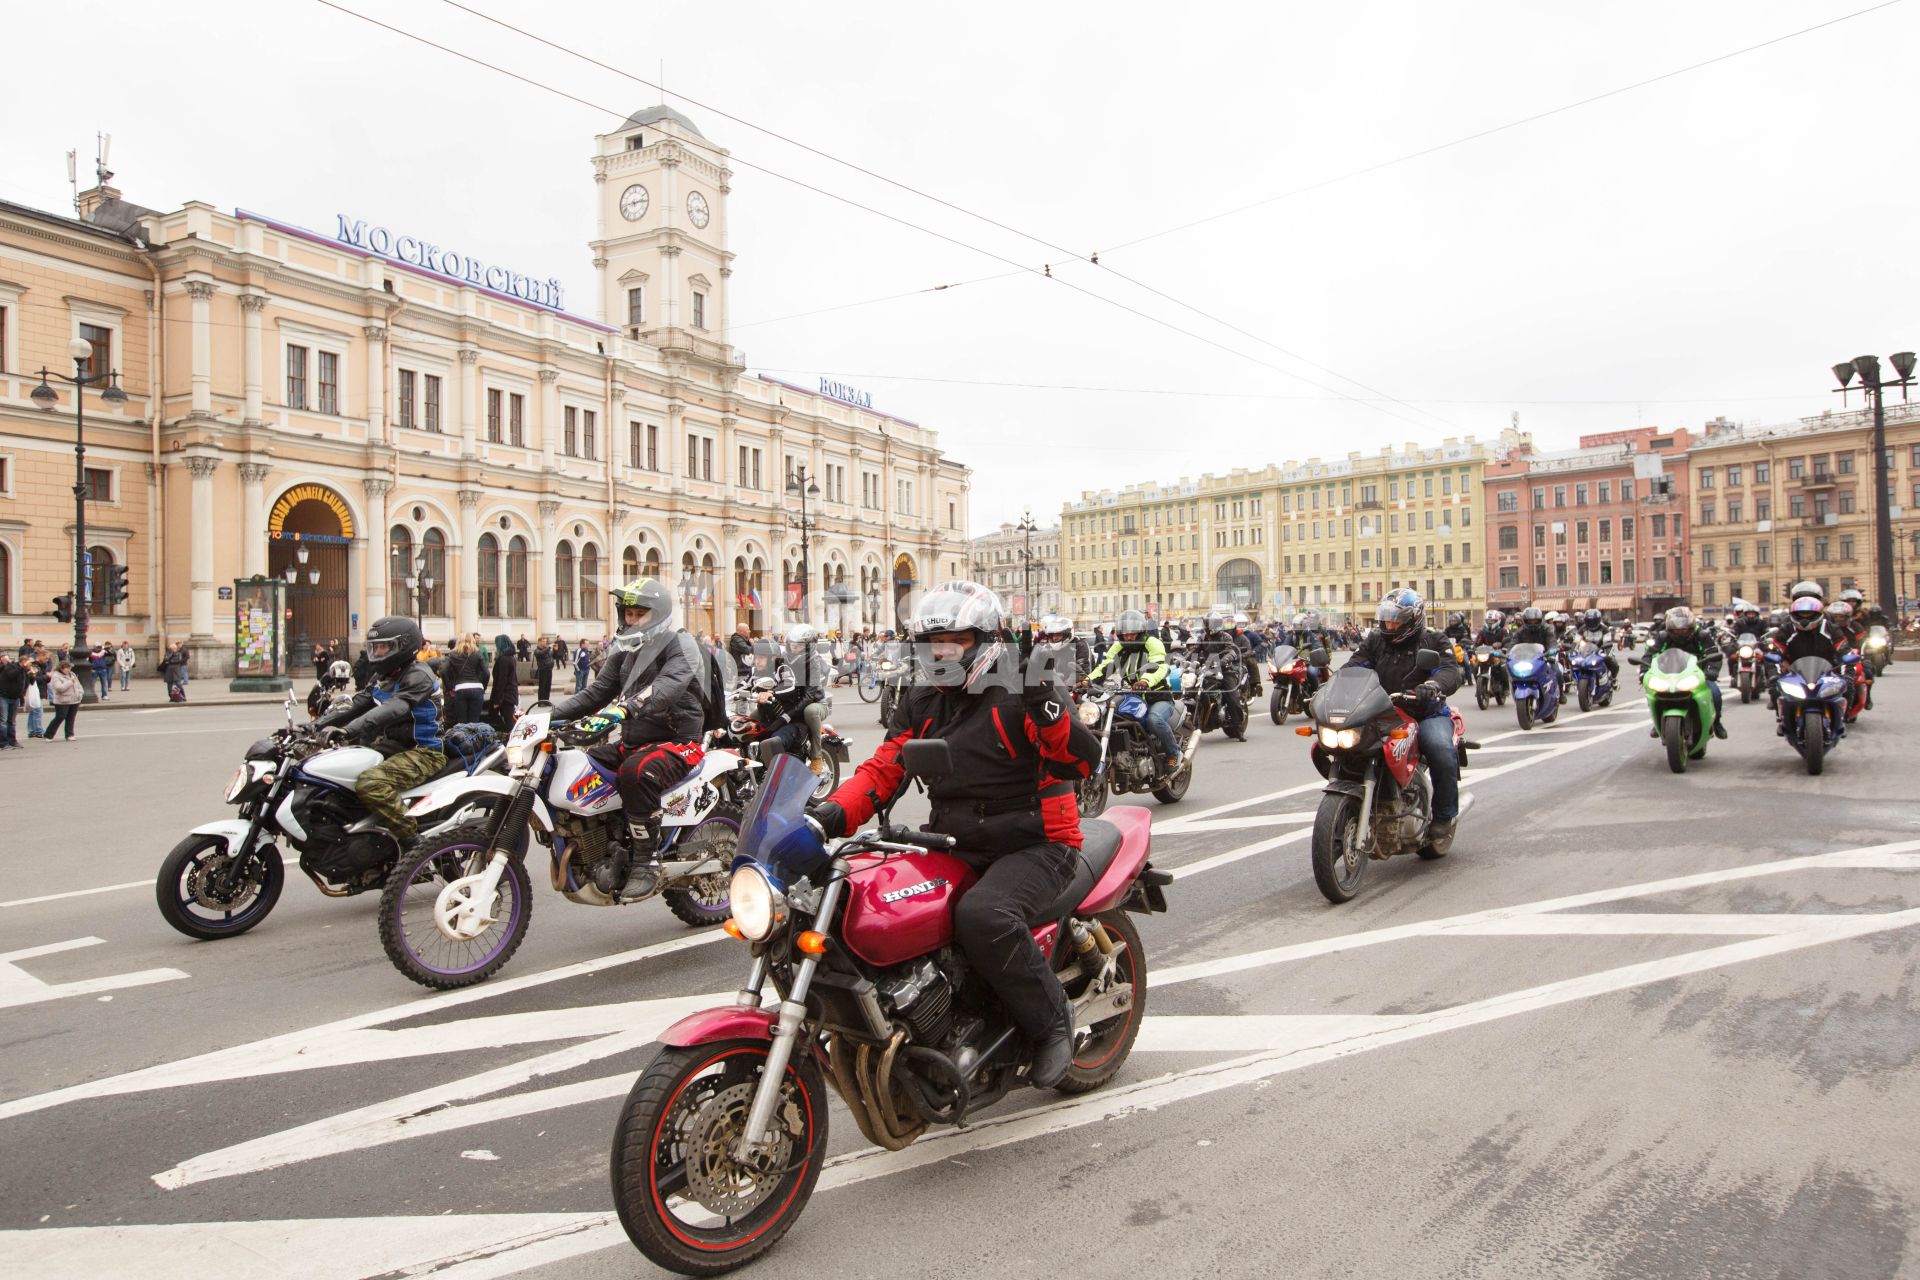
(67, 694)
(13, 693)
(123, 658)
(543, 670)
(524, 648)
(582, 666)
(465, 679)
(36, 698)
(503, 702)
(173, 669)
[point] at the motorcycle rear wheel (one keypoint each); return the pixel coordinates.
(1097, 1057)
(673, 1140)
(411, 937)
(1673, 733)
(258, 892)
(1338, 864)
(1175, 788)
(708, 903)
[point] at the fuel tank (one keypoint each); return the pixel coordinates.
(902, 907)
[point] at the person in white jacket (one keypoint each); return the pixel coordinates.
(123, 663)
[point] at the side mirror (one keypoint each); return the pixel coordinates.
(926, 758)
(1318, 657)
(1427, 660)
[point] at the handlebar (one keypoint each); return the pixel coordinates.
(929, 840)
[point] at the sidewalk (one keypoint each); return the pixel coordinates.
(148, 692)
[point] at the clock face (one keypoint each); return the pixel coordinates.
(633, 203)
(697, 211)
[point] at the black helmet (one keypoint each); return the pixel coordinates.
(1530, 614)
(1593, 617)
(1456, 619)
(1215, 622)
(1401, 615)
(393, 643)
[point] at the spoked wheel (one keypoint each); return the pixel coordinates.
(420, 909)
(706, 901)
(829, 779)
(202, 895)
(686, 1202)
(867, 686)
(1673, 732)
(1523, 712)
(1339, 865)
(886, 704)
(1092, 794)
(1100, 1049)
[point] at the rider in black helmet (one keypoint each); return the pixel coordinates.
(396, 715)
(1391, 649)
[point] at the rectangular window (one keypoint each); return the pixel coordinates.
(1584, 575)
(1796, 468)
(1539, 503)
(570, 433)
(1509, 577)
(1659, 526)
(1509, 500)
(1560, 575)
(588, 420)
(1429, 486)
(1580, 532)
(1560, 535)
(1580, 495)
(496, 414)
(1659, 568)
(1735, 553)
(406, 397)
(1733, 475)
(1446, 486)
(1626, 528)
(1846, 502)
(1820, 548)
(329, 383)
(99, 484)
(1606, 491)
(1606, 531)
(1762, 472)
(1606, 573)
(636, 306)
(1762, 507)
(1706, 513)
(1628, 569)
(431, 399)
(1706, 477)
(99, 361)
(1560, 496)
(1539, 575)
(1734, 510)
(1706, 556)
(517, 419)
(1626, 491)
(1846, 548)
(1797, 505)
(1843, 464)
(699, 310)
(1539, 535)
(1763, 554)
(296, 377)
(1509, 537)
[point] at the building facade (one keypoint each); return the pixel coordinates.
(1332, 536)
(1601, 526)
(404, 413)
(1023, 568)
(1774, 505)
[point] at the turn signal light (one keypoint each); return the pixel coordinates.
(1305, 731)
(732, 928)
(1398, 735)
(814, 944)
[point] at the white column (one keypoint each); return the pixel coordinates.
(202, 292)
(670, 287)
(469, 401)
(377, 488)
(542, 567)
(253, 519)
(376, 383)
(679, 466)
(549, 415)
(470, 560)
(201, 548)
(251, 304)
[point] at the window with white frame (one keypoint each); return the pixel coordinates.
(636, 306)
(903, 497)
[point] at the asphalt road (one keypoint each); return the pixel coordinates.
(1636, 1025)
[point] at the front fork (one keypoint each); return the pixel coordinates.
(786, 1030)
(462, 909)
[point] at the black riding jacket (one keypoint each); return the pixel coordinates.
(394, 713)
(672, 666)
(1815, 642)
(1397, 664)
(1492, 637)
(1535, 633)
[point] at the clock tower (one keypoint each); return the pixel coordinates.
(662, 249)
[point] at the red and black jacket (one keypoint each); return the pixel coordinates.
(1014, 767)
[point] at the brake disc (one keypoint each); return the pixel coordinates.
(200, 884)
(721, 1184)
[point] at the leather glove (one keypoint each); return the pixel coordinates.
(1431, 694)
(831, 817)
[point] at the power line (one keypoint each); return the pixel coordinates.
(868, 302)
(1501, 128)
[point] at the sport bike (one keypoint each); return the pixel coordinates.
(1287, 668)
(1206, 691)
(1535, 675)
(296, 785)
(1490, 680)
(1878, 650)
(1813, 706)
(719, 1144)
(1378, 800)
(1681, 699)
(457, 908)
(1592, 682)
(1129, 760)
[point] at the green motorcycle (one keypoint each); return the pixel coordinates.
(1681, 700)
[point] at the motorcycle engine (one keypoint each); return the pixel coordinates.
(593, 860)
(923, 999)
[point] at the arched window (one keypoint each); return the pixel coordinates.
(399, 569)
(489, 576)
(563, 580)
(652, 566)
(590, 581)
(434, 544)
(629, 564)
(517, 578)
(100, 560)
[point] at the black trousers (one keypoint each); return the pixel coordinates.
(642, 774)
(994, 927)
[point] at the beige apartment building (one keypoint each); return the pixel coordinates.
(1773, 505)
(1332, 536)
(400, 410)
(1022, 565)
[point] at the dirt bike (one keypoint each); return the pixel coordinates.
(457, 907)
(1129, 760)
(1378, 800)
(722, 1138)
(296, 785)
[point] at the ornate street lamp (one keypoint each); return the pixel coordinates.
(46, 397)
(1868, 370)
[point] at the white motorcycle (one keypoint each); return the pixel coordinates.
(456, 908)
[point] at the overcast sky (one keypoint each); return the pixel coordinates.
(1708, 244)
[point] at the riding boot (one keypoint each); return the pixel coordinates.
(643, 871)
(1054, 1052)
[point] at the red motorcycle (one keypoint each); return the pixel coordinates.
(1859, 685)
(1378, 800)
(1287, 668)
(721, 1140)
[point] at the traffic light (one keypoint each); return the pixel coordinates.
(63, 608)
(116, 584)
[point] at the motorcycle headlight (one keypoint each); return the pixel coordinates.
(1793, 690)
(1689, 682)
(1876, 643)
(758, 907)
(518, 754)
(1746, 651)
(1089, 713)
(1339, 739)
(239, 783)
(1523, 668)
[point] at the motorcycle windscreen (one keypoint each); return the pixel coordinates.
(1748, 639)
(1811, 668)
(774, 830)
(1282, 658)
(1525, 653)
(1673, 662)
(1351, 696)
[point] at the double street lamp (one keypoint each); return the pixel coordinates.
(1028, 526)
(299, 596)
(46, 397)
(419, 583)
(799, 485)
(1867, 369)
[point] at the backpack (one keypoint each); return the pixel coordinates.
(713, 689)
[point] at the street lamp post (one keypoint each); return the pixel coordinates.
(419, 584)
(46, 397)
(298, 596)
(799, 485)
(1867, 368)
(1026, 525)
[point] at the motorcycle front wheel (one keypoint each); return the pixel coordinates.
(1586, 697)
(1523, 712)
(1673, 733)
(1814, 744)
(1277, 705)
(1339, 865)
(684, 1200)
(1480, 693)
(192, 900)
(1093, 793)
(410, 932)
(886, 705)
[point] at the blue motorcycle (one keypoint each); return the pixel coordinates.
(1813, 708)
(1591, 678)
(1536, 684)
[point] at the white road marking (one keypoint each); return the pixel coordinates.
(18, 987)
(1237, 824)
(80, 893)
